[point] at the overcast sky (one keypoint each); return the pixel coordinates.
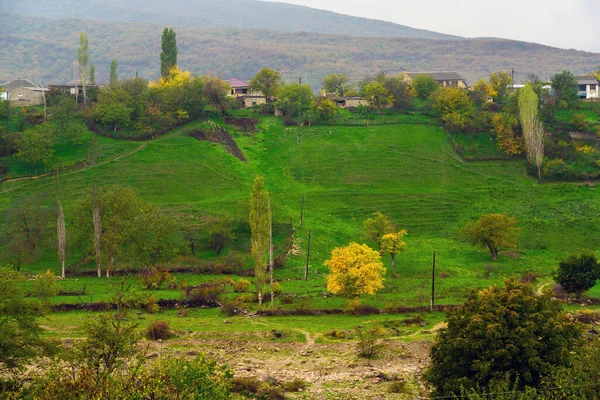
(560, 23)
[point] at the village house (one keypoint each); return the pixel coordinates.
(444, 79)
(351, 102)
(588, 87)
(22, 92)
(244, 95)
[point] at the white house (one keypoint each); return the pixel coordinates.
(588, 87)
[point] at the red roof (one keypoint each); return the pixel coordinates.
(237, 83)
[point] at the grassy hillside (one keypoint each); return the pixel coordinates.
(43, 50)
(407, 170)
(241, 14)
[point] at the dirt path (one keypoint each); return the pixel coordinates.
(543, 286)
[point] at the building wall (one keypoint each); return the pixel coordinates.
(253, 101)
(25, 97)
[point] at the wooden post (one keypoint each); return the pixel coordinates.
(302, 211)
(307, 258)
(433, 283)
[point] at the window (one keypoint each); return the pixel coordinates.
(593, 87)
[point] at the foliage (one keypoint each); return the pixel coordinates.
(377, 95)
(565, 87)
(114, 75)
(493, 231)
(220, 229)
(168, 56)
(260, 227)
(216, 92)
(180, 92)
(241, 286)
(158, 330)
(267, 81)
(423, 86)
(452, 100)
(34, 145)
(505, 127)
(45, 286)
(82, 59)
(20, 336)
(325, 109)
(533, 131)
(579, 122)
(336, 84)
(294, 99)
(501, 334)
(499, 82)
(399, 90)
(354, 270)
(392, 244)
(481, 91)
(369, 340)
(153, 278)
(376, 227)
(578, 272)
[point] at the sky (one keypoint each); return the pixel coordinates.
(568, 24)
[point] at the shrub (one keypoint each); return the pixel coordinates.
(579, 122)
(529, 277)
(241, 286)
(232, 308)
(398, 386)
(206, 292)
(153, 278)
(443, 275)
(369, 341)
(418, 320)
(152, 305)
(158, 330)
(287, 299)
(45, 286)
(297, 385)
(276, 288)
(354, 307)
(587, 316)
(578, 272)
(335, 334)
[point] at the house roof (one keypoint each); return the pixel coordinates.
(16, 83)
(439, 75)
(236, 83)
(586, 80)
(76, 82)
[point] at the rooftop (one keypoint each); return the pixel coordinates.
(17, 83)
(236, 83)
(439, 75)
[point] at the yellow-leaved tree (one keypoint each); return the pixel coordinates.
(354, 270)
(392, 244)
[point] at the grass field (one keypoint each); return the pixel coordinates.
(406, 170)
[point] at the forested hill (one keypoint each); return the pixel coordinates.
(241, 14)
(44, 49)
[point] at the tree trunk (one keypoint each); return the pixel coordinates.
(393, 260)
(62, 238)
(97, 231)
(260, 299)
(271, 264)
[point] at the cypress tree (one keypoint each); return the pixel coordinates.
(168, 57)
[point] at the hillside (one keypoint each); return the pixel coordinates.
(241, 14)
(43, 50)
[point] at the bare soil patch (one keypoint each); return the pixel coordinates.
(243, 124)
(220, 135)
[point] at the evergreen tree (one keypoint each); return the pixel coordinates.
(114, 75)
(168, 57)
(82, 58)
(92, 74)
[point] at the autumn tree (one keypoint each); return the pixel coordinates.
(354, 270)
(492, 231)
(376, 227)
(481, 90)
(565, 87)
(260, 228)
(336, 84)
(499, 83)
(325, 109)
(267, 81)
(578, 272)
(423, 86)
(501, 337)
(392, 244)
(533, 131)
(184, 94)
(114, 75)
(295, 99)
(168, 56)
(508, 138)
(454, 107)
(82, 59)
(377, 95)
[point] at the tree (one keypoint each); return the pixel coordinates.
(325, 109)
(377, 226)
(220, 230)
(392, 244)
(565, 87)
(336, 84)
(533, 131)
(578, 272)
(354, 270)
(424, 86)
(216, 92)
(499, 83)
(493, 231)
(61, 233)
(377, 95)
(504, 126)
(481, 91)
(182, 91)
(45, 286)
(168, 57)
(452, 100)
(260, 228)
(92, 74)
(399, 90)
(82, 59)
(20, 336)
(35, 145)
(25, 230)
(266, 81)
(295, 99)
(501, 336)
(114, 75)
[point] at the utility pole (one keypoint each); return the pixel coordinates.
(433, 283)
(302, 211)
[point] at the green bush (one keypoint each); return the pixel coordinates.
(241, 286)
(578, 272)
(369, 341)
(158, 330)
(153, 278)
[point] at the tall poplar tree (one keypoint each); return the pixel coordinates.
(114, 75)
(92, 74)
(83, 58)
(260, 227)
(168, 57)
(533, 131)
